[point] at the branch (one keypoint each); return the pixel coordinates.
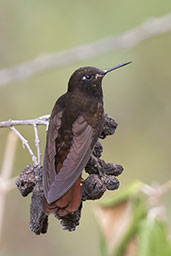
(129, 39)
(6, 170)
(102, 177)
(42, 120)
(25, 144)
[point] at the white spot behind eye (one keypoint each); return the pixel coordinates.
(87, 77)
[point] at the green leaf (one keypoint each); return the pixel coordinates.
(103, 249)
(154, 238)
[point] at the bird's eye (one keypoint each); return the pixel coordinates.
(87, 77)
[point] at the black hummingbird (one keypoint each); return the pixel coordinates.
(75, 123)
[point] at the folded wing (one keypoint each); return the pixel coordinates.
(56, 184)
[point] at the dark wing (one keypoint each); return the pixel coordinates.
(56, 184)
(49, 171)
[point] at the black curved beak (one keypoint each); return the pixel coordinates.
(118, 66)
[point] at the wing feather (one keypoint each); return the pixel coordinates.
(49, 171)
(57, 184)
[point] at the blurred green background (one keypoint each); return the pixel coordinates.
(137, 96)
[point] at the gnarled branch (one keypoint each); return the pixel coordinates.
(102, 177)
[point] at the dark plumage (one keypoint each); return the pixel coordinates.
(75, 124)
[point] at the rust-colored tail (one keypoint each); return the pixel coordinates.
(69, 202)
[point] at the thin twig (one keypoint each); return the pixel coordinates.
(25, 143)
(37, 143)
(126, 40)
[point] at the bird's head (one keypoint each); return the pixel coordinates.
(89, 80)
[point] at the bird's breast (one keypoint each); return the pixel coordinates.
(94, 116)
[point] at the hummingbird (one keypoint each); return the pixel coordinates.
(75, 124)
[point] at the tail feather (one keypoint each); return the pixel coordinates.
(68, 203)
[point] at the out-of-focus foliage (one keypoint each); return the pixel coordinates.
(129, 227)
(138, 97)
(154, 238)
